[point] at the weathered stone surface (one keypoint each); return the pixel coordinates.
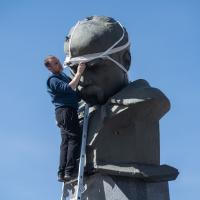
(103, 187)
(149, 173)
(126, 128)
(123, 134)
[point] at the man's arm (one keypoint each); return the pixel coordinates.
(74, 82)
(58, 85)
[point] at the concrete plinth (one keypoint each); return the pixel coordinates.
(104, 187)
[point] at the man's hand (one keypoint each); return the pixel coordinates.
(81, 68)
(74, 82)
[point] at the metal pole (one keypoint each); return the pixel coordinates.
(82, 155)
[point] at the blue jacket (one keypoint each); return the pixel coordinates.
(61, 93)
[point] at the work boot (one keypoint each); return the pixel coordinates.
(70, 176)
(61, 177)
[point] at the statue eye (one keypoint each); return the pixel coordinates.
(95, 62)
(89, 66)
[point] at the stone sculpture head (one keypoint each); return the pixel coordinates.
(103, 77)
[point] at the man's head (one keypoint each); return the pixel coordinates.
(102, 77)
(53, 64)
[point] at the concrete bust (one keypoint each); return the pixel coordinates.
(124, 117)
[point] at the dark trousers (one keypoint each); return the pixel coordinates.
(67, 121)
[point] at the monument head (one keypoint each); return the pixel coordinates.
(103, 44)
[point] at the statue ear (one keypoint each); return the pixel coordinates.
(126, 59)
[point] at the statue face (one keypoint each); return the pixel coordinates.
(100, 80)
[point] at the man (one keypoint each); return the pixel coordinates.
(65, 99)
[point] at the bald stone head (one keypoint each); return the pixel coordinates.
(102, 77)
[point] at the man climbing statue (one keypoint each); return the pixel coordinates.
(65, 99)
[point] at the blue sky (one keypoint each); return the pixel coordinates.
(165, 51)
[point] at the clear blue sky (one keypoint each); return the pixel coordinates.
(165, 38)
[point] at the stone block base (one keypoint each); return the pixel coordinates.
(104, 187)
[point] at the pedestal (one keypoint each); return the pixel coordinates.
(104, 187)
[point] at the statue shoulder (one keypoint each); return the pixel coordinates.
(142, 96)
(137, 91)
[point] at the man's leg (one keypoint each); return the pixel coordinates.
(63, 156)
(73, 154)
(72, 129)
(60, 115)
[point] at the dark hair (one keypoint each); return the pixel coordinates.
(46, 60)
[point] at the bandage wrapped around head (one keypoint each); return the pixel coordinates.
(96, 37)
(93, 40)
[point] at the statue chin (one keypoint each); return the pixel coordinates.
(93, 95)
